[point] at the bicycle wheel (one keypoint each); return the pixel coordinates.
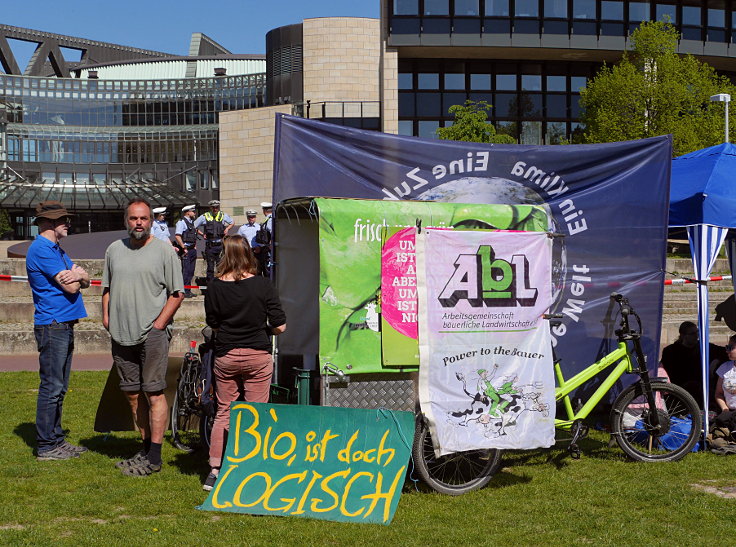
(183, 416)
(205, 429)
(456, 473)
(679, 419)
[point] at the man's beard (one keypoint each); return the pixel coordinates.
(139, 235)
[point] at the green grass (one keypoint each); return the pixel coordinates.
(540, 497)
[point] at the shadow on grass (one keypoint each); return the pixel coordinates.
(27, 432)
(112, 446)
(191, 463)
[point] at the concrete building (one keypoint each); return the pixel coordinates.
(119, 120)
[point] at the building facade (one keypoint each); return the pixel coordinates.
(94, 134)
(119, 121)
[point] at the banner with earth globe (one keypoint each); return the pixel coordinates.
(609, 201)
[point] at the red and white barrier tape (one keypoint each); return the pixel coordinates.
(98, 282)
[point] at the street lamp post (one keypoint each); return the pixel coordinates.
(722, 98)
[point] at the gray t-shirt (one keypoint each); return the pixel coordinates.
(140, 282)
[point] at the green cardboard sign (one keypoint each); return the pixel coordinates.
(341, 464)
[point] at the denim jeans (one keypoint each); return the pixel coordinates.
(55, 347)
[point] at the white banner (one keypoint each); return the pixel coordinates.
(486, 377)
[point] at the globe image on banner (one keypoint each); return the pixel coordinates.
(503, 192)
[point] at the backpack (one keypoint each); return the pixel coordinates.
(263, 235)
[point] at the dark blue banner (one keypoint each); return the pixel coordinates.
(610, 201)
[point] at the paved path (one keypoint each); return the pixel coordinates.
(79, 362)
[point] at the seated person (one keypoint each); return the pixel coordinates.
(681, 361)
(726, 389)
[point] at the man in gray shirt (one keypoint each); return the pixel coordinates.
(142, 290)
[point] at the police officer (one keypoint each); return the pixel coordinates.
(186, 236)
(250, 229)
(159, 228)
(265, 257)
(213, 225)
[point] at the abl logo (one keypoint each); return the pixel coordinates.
(481, 278)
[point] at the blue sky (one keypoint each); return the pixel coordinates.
(167, 25)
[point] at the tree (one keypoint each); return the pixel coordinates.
(471, 125)
(655, 91)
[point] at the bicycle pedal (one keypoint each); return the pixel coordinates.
(574, 451)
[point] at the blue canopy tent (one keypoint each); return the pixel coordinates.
(703, 201)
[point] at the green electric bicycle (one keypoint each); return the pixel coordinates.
(651, 420)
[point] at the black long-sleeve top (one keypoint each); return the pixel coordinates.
(239, 310)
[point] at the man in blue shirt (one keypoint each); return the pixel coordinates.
(55, 282)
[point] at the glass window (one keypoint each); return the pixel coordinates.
(576, 82)
(480, 81)
(531, 82)
(583, 9)
(428, 129)
(406, 7)
(556, 83)
(506, 82)
(497, 8)
(454, 81)
(638, 11)
(428, 81)
(531, 133)
(612, 11)
(406, 127)
(555, 8)
(406, 104)
(555, 132)
(556, 106)
(505, 105)
(190, 182)
(428, 104)
(691, 15)
(451, 99)
(666, 11)
(526, 8)
(405, 80)
(436, 7)
(508, 128)
(466, 7)
(716, 18)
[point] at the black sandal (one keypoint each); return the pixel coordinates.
(139, 456)
(142, 468)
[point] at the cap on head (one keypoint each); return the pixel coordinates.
(214, 203)
(51, 210)
(187, 208)
(250, 213)
(266, 205)
(159, 211)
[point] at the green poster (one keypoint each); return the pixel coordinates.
(328, 463)
(350, 246)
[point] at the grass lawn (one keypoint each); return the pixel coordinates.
(540, 497)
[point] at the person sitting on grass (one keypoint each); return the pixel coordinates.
(726, 389)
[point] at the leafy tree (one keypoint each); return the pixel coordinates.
(655, 91)
(471, 125)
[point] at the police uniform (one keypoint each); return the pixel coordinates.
(213, 227)
(159, 228)
(186, 230)
(265, 255)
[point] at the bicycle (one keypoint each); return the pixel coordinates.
(651, 420)
(187, 411)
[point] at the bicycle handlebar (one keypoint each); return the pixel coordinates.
(626, 310)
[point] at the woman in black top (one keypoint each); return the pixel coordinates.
(245, 311)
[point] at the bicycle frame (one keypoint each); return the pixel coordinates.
(619, 357)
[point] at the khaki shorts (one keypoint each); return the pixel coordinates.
(143, 367)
